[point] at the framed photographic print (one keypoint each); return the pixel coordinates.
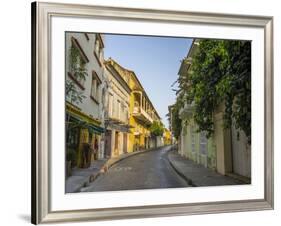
(145, 113)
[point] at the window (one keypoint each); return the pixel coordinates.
(126, 114)
(123, 116)
(110, 105)
(103, 97)
(118, 109)
(95, 87)
(98, 49)
(113, 107)
(203, 143)
(77, 63)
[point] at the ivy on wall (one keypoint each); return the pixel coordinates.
(176, 124)
(220, 74)
(77, 64)
(79, 72)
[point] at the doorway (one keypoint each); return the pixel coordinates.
(107, 144)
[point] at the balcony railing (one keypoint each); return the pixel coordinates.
(141, 114)
(114, 117)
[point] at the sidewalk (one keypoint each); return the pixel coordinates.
(83, 177)
(197, 175)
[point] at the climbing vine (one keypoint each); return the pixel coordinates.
(220, 74)
(77, 64)
(176, 121)
(79, 72)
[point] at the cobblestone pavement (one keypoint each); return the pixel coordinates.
(143, 171)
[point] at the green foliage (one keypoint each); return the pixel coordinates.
(75, 124)
(176, 120)
(221, 74)
(156, 129)
(77, 64)
(79, 71)
(71, 91)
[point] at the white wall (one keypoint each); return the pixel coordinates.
(119, 94)
(15, 111)
(88, 106)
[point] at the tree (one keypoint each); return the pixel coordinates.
(221, 73)
(156, 129)
(176, 120)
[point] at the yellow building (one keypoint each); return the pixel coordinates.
(81, 129)
(141, 112)
(167, 136)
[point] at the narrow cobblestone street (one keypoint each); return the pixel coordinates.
(123, 134)
(143, 171)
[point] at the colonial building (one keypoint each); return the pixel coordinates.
(167, 137)
(170, 120)
(225, 151)
(117, 112)
(141, 112)
(85, 93)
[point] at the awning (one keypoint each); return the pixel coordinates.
(74, 118)
(91, 127)
(95, 129)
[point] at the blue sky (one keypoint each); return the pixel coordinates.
(155, 60)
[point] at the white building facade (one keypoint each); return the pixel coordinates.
(227, 151)
(117, 113)
(85, 97)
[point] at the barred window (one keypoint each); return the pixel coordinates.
(203, 143)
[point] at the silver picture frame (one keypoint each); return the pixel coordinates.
(41, 29)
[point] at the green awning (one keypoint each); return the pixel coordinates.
(74, 118)
(95, 129)
(92, 128)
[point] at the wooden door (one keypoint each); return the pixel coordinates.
(125, 142)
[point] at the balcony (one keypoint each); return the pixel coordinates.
(142, 115)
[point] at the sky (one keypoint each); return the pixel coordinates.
(155, 61)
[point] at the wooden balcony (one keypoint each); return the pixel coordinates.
(142, 115)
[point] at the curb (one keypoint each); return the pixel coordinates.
(79, 187)
(189, 181)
